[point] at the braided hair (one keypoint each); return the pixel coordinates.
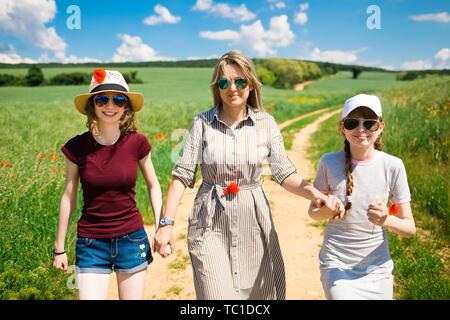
(364, 113)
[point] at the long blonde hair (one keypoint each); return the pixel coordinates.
(127, 121)
(365, 113)
(248, 69)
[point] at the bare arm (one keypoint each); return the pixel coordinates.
(164, 235)
(333, 206)
(297, 185)
(66, 208)
(153, 187)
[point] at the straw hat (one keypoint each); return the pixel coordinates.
(112, 81)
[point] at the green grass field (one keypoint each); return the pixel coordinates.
(38, 121)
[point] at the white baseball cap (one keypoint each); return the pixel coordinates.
(362, 100)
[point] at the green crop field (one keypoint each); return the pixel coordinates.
(36, 122)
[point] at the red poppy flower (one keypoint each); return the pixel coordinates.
(41, 155)
(53, 156)
(160, 136)
(394, 209)
(99, 75)
(54, 170)
(232, 187)
(5, 164)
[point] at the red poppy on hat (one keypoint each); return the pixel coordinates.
(99, 75)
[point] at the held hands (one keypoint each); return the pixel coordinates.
(163, 241)
(377, 213)
(332, 206)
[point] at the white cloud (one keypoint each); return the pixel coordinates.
(416, 65)
(263, 42)
(441, 61)
(163, 15)
(133, 49)
(221, 35)
(14, 58)
(275, 4)
(27, 19)
(301, 17)
(9, 55)
(336, 56)
(443, 54)
(202, 5)
(213, 56)
(304, 6)
(237, 14)
(61, 57)
(436, 17)
(442, 58)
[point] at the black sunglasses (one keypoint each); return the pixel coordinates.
(102, 100)
(371, 125)
(240, 83)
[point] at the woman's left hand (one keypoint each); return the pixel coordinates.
(377, 213)
(334, 205)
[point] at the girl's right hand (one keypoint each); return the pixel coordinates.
(163, 238)
(60, 262)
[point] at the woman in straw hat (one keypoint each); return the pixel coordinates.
(232, 240)
(105, 159)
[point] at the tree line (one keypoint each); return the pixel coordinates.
(35, 77)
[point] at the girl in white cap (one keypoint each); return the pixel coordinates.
(354, 259)
(105, 159)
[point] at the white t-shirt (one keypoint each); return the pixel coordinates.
(353, 242)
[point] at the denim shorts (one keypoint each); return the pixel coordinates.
(125, 254)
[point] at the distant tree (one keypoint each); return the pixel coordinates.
(7, 80)
(408, 75)
(132, 77)
(329, 68)
(34, 77)
(73, 78)
(356, 72)
(266, 77)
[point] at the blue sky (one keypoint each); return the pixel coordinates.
(412, 35)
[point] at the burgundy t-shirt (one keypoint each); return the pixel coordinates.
(108, 178)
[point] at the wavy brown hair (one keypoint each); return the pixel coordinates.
(237, 58)
(127, 121)
(363, 113)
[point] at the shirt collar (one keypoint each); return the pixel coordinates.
(250, 114)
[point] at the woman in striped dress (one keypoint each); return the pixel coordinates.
(232, 241)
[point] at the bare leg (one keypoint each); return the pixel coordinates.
(131, 285)
(93, 286)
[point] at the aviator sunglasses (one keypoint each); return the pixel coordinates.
(371, 125)
(102, 100)
(240, 83)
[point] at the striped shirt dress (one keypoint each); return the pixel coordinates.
(233, 245)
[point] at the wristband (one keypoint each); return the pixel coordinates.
(55, 253)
